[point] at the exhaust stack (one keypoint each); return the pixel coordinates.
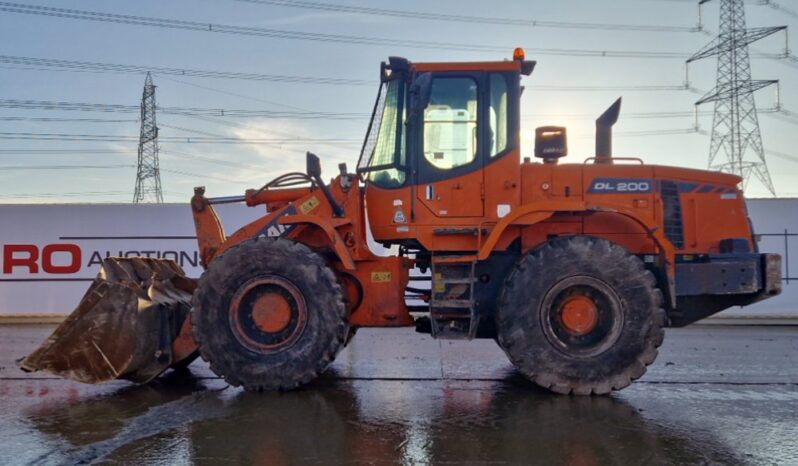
(604, 125)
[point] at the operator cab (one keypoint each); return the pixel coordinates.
(435, 127)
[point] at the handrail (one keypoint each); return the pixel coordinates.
(631, 159)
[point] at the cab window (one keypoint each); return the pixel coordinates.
(498, 114)
(385, 148)
(450, 123)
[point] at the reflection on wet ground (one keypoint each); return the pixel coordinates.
(405, 412)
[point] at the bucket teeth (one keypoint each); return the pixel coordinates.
(123, 326)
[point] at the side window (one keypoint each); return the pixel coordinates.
(385, 144)
(498, 114)
(450, 123)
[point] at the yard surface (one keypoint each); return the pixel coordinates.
(716, 395)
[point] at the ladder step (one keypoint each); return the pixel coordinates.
(452, 309)
(471, 231)
(454, 281)
(445, 317)
(464, 303)
(468, 259)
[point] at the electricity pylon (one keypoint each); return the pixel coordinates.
(735, 126)
(148, 174)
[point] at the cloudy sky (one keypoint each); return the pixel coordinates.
(89, 156)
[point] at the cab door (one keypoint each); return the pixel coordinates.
(449, 175)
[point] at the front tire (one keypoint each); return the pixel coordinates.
(269, 314)
(580, 315)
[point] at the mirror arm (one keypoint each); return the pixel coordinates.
(314, 171)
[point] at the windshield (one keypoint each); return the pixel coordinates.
(381, 156)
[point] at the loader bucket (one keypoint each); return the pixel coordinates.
(123, 327)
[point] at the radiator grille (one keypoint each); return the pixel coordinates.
(674, 228)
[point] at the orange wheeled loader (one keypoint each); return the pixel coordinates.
(574, 269)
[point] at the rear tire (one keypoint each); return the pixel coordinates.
(269, 314)
(580, 315)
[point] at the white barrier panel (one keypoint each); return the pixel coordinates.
(776, 221)
(50, 252)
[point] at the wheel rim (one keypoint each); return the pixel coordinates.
(267, 314)
(581, 316)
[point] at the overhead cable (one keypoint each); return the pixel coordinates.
(214, 112)
(779, 7)
(138, 69)
(174, 139)
(63, 167)
(457, 18)
(314, 36)
(64, 120)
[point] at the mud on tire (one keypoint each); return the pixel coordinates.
(580, 315)
(269, 314)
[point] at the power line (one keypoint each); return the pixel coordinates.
(779, 7)
(72, 152)
(202, 113)
(65, 151)
(67, 106)
(227, 163)
(288, 139)
(788, 113)
(785, 118)
(221, 112)
(65, 194)
(233, 94)
(658, 132)
(208, 134)
(231, 124)
(243, 126)
(430, 16)
(311, 36)
(640, 115)
(782, 155)
(626, 116)
(138, 69)
(76, 194)
(63, 167)
(106, 167)
(168, 152)
(662, 132)
(202, 176)
(632, 88)
(68, 137)
(336, 116)
(211, 112)
(65, 120)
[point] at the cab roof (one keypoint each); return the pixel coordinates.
(524, 67)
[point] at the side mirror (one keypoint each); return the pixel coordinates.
(420, 92)
(313, 166)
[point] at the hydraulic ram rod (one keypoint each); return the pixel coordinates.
(226, 199)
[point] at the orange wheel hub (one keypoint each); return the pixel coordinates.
(271, 312)
(579, 315)
(267, 314)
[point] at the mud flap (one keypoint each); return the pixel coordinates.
(124, 326)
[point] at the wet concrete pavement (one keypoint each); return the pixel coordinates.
(716, 395)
